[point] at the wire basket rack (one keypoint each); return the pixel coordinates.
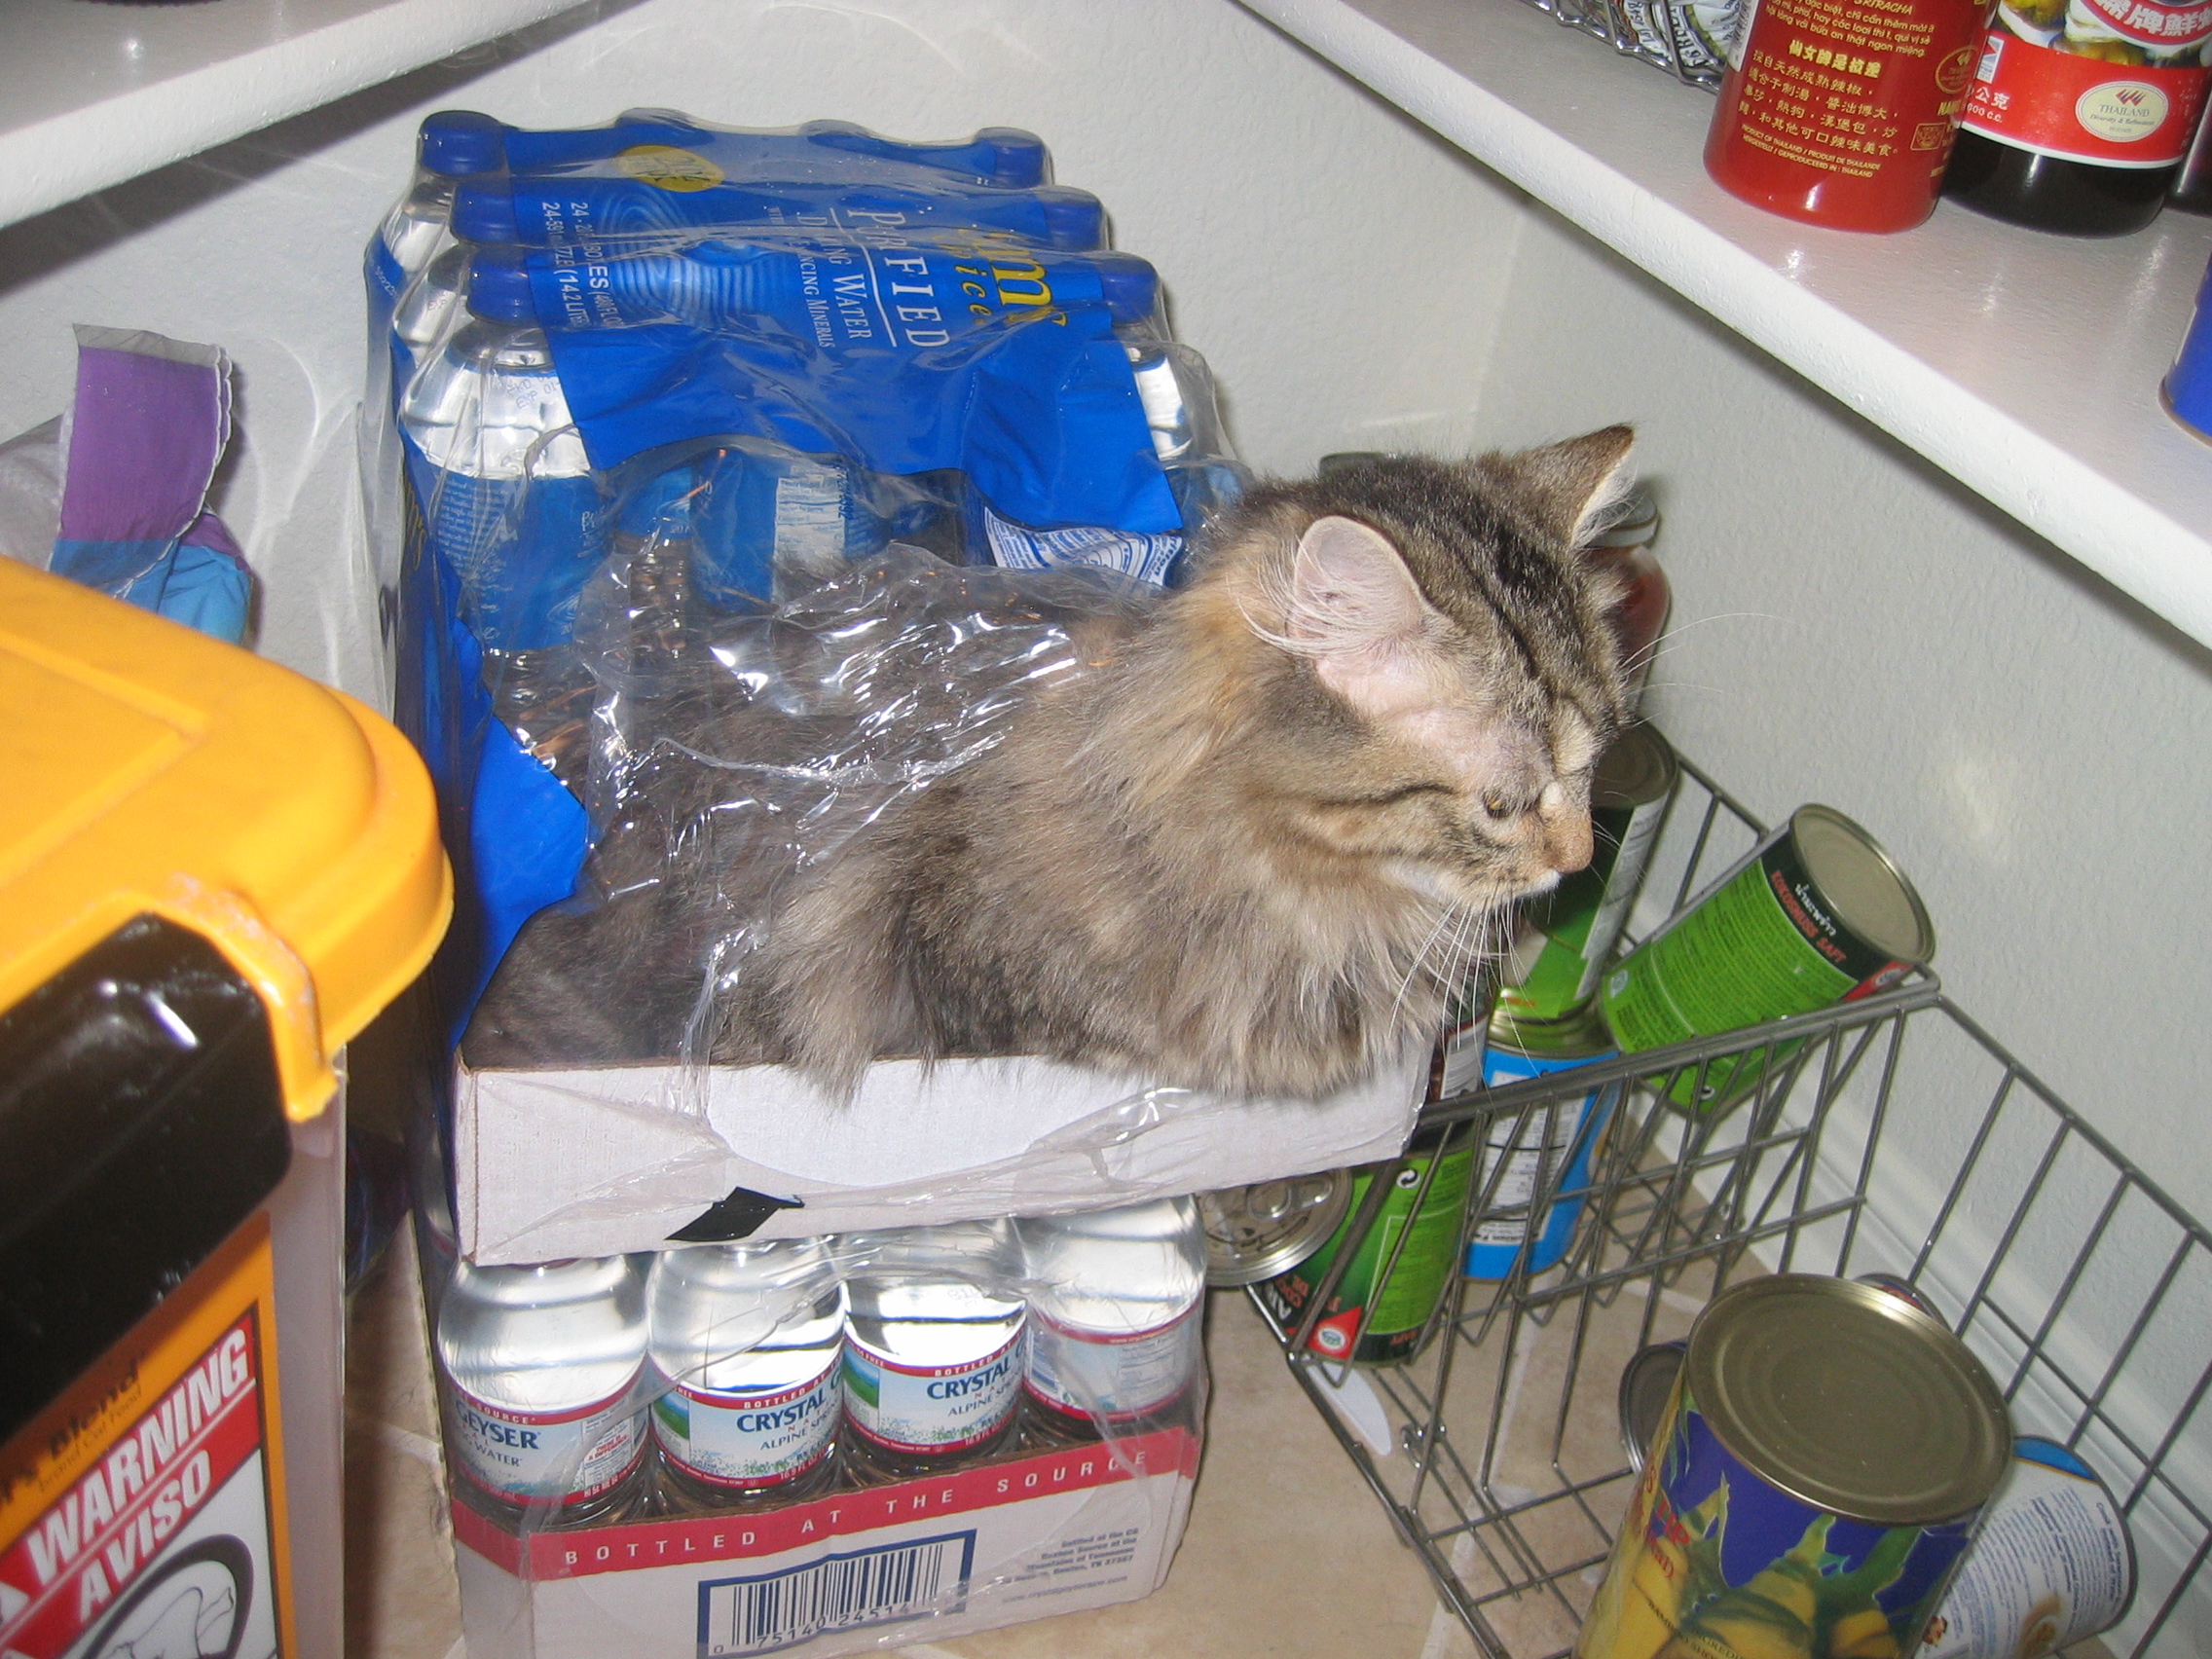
(1689, 39)
(1891, 1135)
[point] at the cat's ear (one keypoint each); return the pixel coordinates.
(1354, 609)
(1576, 486)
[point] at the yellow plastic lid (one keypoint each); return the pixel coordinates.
(151, 769)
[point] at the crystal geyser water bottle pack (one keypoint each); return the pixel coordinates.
(749, 1376)
(932, 1352)
(1113, 1327)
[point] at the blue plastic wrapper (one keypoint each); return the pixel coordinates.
(1000, 362)
(668, 145)
(582, 212)
(777, 353)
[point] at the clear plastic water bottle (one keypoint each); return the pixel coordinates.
(932, 1350)
(452, 144)
(716, 283)
(1115, 1326)
(746, 1340)
(435, 299)
(562, 211)
(498, 467)
(542, 1366)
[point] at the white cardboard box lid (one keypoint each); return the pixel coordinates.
(551, 1165)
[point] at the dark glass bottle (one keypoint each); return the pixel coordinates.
(2053, 193)
(2079, 112)
(2192, 190)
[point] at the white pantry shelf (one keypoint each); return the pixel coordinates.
(95, 93)
(2026, 365)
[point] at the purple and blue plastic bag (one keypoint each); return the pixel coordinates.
(150, 421)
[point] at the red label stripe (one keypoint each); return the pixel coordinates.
(741, 1537)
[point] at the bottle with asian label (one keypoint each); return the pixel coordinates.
(745, 1341)
(544, 1418)
(1115, 1326)
(1842, 112)
(2081, 112)
(933, 1347)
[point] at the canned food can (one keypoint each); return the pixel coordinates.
(2186, 389)
(1396, 1301)
(1903, 1289)
(1457, 1065)
(2053, 1564)
(1816, 914)
(1647, 1388)
(1547, 1147)
(1255, 1233)
(1569, 933)
(1815, 1481)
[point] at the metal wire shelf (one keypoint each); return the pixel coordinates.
(1890, 1134)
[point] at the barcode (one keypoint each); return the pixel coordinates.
(839, 1592)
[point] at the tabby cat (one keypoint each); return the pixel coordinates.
(1246, 844)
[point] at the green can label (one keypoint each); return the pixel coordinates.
(1580, 919)
(1397, 1310)
(1764, 945)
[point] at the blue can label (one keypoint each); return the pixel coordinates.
(1713, 1561)
(2052, 1566)
(1551, 1148)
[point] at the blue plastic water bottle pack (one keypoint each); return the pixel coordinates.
(774, 354)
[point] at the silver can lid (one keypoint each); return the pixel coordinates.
(1635, 523)
(1849, 1399)
(1647, 1383)
(1578, 1034)
(1637, 769)
(1863, 884)
(1255, 1233)
(1903, 1288)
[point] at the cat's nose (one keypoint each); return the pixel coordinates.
(1567, 843)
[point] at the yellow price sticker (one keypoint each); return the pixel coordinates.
(664, 166)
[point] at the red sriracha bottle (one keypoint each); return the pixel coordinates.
(1842, 112)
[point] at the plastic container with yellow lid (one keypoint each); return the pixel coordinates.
(213, 874)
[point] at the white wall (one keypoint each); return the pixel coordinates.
(1304, 230)
(1855, 628)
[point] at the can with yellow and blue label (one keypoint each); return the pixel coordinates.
(1823, 1461)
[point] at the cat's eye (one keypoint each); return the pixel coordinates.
(1499, 806)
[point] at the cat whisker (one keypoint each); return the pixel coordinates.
(1436, 931)
(1638, 658)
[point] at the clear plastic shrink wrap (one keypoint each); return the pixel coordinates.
(701, 372)
(860, 1441)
